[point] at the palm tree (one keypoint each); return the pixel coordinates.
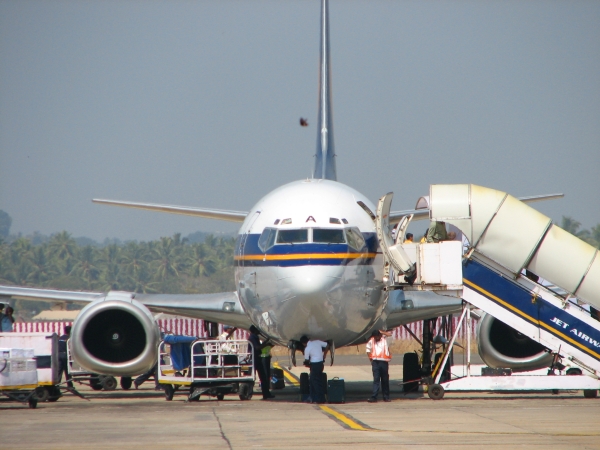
(571, 225)
(166, 263)
(62, 250)
(134, 258)
(86, 267)
(40, 269)
(201, 261)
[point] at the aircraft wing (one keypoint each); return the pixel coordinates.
(207, 213)
(423, 212)
(222, 307)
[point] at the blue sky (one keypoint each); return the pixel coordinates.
(197, 103)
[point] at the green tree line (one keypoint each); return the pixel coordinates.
(592, 236)
(169, 265)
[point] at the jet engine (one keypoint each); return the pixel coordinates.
(501, 346)
(115, 335)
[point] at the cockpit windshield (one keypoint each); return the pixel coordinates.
(328, 236)
(355, 238)
(267, 239)
(292, 236)
(273, 236)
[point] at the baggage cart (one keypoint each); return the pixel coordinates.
(18, 371)
(38, 351)
(205, 367)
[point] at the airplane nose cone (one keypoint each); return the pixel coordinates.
(313, 280)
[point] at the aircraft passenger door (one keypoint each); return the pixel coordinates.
(247, 276)
(244, 239)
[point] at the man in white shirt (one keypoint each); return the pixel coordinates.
(380, 356)
(315, 356)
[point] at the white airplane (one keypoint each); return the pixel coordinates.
(307, 262)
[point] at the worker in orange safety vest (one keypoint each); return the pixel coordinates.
(379, 354)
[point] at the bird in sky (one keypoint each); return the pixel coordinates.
(303, 122)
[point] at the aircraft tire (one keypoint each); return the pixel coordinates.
(220, 396)
(32, 402)
(411, 371)
(435, 392)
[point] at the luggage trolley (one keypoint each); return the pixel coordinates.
(206, 366)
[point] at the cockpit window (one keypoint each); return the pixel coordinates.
(292, 236)
(267, 239)
(328, 236)
(355, 238)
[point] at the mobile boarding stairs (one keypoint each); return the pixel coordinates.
(505, 237)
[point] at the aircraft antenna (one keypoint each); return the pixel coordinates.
(325, 155)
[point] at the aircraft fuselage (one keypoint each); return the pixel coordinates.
(307, 262)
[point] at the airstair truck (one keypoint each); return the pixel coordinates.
(506, 237)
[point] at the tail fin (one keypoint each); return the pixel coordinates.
(325, 156)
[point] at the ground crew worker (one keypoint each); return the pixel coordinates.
(257, 346)
(314, 356)
(409, 238)
(380, 356)
(265, 356)
(63, 358)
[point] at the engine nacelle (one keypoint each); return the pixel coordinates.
(501, 346)
(116, 336)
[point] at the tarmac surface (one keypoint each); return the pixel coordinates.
(137, 419)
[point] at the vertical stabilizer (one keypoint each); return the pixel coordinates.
(325, 156)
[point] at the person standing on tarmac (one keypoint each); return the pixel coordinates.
(380, 356)
(315, 357)
(257, 347)
(63, 357)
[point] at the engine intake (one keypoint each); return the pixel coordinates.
(501, 346)
(116, 336)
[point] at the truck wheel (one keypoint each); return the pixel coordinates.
(169, 391)
(590, 393)
(220, 396)
(96, 382)
(53, 393)
(126, 382)
(245, 392)
(41, 394)
(109, 383)
(435, 392)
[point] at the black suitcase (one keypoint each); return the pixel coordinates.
(304, 387)
(277, 380)
(336, 390)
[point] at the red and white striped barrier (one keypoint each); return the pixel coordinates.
(41, 327)
(195, 327)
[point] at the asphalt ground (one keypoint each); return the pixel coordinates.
(144, 419)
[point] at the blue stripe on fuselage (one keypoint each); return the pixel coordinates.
(304, 249)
